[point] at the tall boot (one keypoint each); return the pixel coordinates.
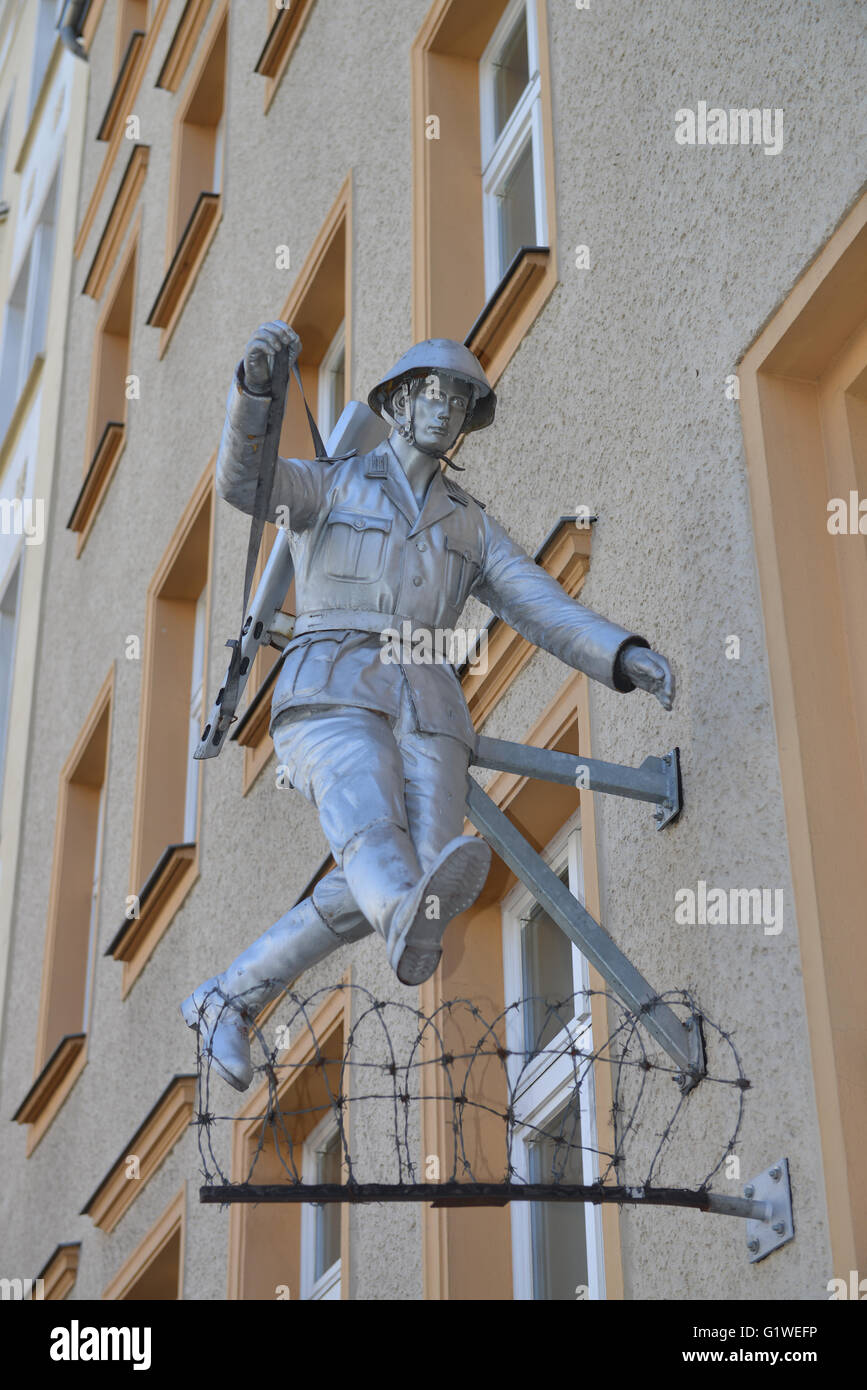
(223, 1009)
(411, 908)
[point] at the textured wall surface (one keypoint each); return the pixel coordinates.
(614, 400)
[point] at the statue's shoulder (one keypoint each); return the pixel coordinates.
(460, 494)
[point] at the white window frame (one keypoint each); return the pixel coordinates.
(326, 406)
(21, 342)
(197, 684)
(327, 1286)
(8, 646)
(45, 36)
(500, 155)
(94, 900)
(540, 1088)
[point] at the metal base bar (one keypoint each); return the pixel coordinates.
(682, 1041)
(482, 1194)
(657, 779)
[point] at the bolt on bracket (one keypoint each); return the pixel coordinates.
(767, 1206)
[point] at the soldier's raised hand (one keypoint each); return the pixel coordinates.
(261, 350)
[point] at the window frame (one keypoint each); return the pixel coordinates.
(328, 1284)
(56, 1070)
(453, 294)
(326, 405)
(541, 1087)
(500, 154)
(38, 290)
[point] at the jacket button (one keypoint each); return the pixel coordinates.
(421, 545)
(358, 523)
(417, 580)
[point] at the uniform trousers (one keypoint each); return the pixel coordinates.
(362, 768)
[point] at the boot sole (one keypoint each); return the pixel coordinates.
(457, 882)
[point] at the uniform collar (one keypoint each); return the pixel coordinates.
(438, 502)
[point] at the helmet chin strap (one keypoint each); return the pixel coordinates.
(407, 431)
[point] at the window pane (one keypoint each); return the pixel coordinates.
(328, 1217)
(517, 209)
(546, 954)
(559, 1234)
(511, 74)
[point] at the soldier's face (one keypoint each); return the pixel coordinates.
(441, 403)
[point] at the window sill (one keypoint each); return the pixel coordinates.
(51, 1087)
(280, 45)
(117, 222)
(185, 266)
(511, 309)
(152, 1142)
(96, 481)
(162, 895)
(60, 1272)
(251, 730)
(114, 111)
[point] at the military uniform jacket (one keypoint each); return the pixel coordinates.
(368, 559)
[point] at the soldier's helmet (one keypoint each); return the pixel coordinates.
(441, 355)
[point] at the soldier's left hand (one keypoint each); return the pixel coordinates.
(651, 672)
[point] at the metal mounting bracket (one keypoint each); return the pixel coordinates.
(657, 779)
(767, 1205)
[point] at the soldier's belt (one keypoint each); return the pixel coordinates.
(360, 619)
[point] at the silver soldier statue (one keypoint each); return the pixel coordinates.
(382, 748)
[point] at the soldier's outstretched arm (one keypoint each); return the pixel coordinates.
(299, 484)
(531, 601)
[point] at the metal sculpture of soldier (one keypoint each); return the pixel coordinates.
(381, 748)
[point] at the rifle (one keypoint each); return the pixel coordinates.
(357, 431)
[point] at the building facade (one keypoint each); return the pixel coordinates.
(649, 224)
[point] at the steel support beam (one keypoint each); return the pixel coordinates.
(682, 1041)
(656, 780)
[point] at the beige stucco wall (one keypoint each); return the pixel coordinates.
(615, 400)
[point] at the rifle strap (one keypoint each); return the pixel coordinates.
(264, 487)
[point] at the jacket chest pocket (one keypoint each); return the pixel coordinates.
(463, 562)
(355, 545)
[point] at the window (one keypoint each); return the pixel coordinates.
(332, 383)
(285, 25)
(513, 174)
(47, 15)
(484, 259)
(132, 20)
(154, 1272)
(320, 1225)
(73, 916)
(27, 312)
(556, 1247)
(191, 802)
(8, 633)
(108, 399)
(197, 178)
(164, 862)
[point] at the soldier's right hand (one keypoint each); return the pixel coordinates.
(261, 350)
